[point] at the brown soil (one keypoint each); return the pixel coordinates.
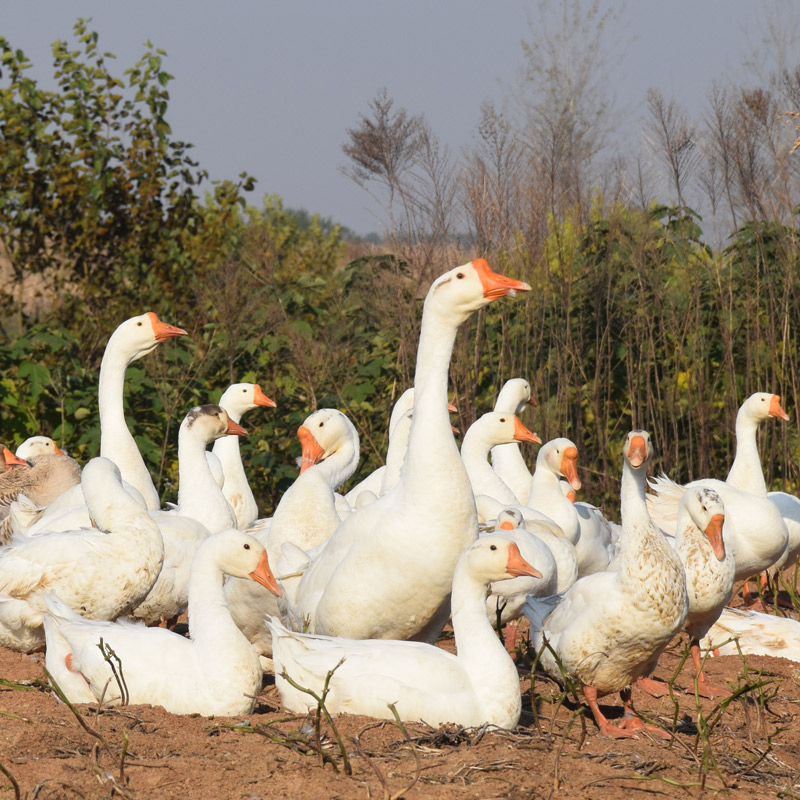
(143, 752)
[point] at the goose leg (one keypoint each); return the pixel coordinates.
(705, 689)
(653, 687)
(606, 728)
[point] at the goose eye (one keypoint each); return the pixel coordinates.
(493, 547)
(460, 276)
(247, 547)
(321, 424)
(139, 323)
(502, 419)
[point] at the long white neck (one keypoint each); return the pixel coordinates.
(236, 488)
(492, 672)
(509, 464)
(396, 454)
(211, 627)
(475, 454)
(432, 449)
(546, 496)
(199, 496)
(116, 441)
(746, 472)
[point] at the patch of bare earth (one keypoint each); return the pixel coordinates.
(751, 750)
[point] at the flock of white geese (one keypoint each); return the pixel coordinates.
(354, 589)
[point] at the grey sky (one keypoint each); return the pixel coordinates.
(270, 87)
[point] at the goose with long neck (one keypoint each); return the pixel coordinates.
(492, 429)
(507, 460)
(133, 339)
(104, 571)
(709, 571)
(479, 686)
(214, 671)
(202, 509)
(387, 571)
(611, 627)
(305, 517)
(237, 400)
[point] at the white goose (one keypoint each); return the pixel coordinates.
(754, 528)
(103, 572)
(305, 517)
(507, 460)
(237, 400)
(754, 634)
(202, 509)
(491, 429)
(507, 597)
(358, 586)
(709, 571)
(611, 627)
(478, 686)
(213, 672)
(134, 338)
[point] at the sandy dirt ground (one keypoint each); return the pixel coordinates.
(747, 748)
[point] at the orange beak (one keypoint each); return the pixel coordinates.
(532, 402)
(517, 565)
(522, 434)
(451, 408)
(312, 450)
(570, 495)
(263, 574)
(494, 284)
(13, 460)
(163, 331)
(714, 534)
(260, 399)
(637, 453)
(234, 428)
(775, 409)
(506, 525)
(57, 450)
(569, 467)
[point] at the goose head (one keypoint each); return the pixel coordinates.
(763, 405)
(496, 558)
(39, 446)
(240, 555)
(500, 427)
(462, 290)
(638, 449)
(560, 456)
(708, 514)
(514, 396)
(241, 397)
(323, 433)
(509, 519)
(138, 336)
(210, 422)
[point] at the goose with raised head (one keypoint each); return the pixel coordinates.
(611, 627)
(237, 400)
(103, 572)
(478, 686)
(755, 531)
(709, 571)
(387, 570)
(213, 672)
(305, 517)
(507, 459)
(133, 339)
(489, 430)
(202, 510)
